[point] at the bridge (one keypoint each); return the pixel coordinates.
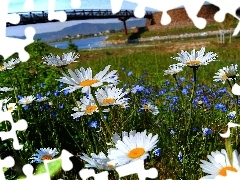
(42, 16)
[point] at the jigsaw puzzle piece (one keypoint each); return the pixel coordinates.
(7, 162)
(29, 5)
(53, 15)
(28, 171)
(12, 134)
(66, 166)
(116, 5)
(87, 173)
(227, 7)
(137, 167)
(5, 17)
(75, 4)
(9, 46)
(192, 10)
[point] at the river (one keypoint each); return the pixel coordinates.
(87, 43)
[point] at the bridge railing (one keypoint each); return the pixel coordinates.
(42, 16)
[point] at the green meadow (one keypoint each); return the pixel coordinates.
(191, 112)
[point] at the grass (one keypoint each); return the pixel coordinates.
(51, 125)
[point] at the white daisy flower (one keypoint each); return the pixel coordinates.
(6, 89)
(111, 96)
(67, 58)
(83, 79)
(26, 100)
(43, 154)
(116, 137)
(195, 58)
(3, 101)
(99, 161)
(173, 69)
(133, 147)
(41, 99)
(10, 64)
(219, 165)
(226, 73)
(86, 106)
(10, 107)
(151, 108)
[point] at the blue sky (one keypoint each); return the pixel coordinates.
(41, 5)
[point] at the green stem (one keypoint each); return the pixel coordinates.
(229, 149)
(101, 114)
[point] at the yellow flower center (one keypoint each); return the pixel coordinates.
(110, 165)
(136, 153)
(223, 171)
(10, 108)
(146, 107)
(108, 101)
(224, 76)
(193, 63)
(90, 109)
(27, 102)
(1, 67)
(46, 157)
(88, 82)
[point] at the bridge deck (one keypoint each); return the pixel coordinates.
(42, 16)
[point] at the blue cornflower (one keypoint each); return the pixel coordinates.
(185, 91)
(144, 100)
(199, 92)
(147, 92)
(188, 86)
(48, 93)
(56, 93)
(205, 100)
(54, 114)
(66, 92)
(180, 157)
(61, 106)
(206, 131)
(137, 88)
(167, 83)
(26, 107)
(232, 115)
(172, 132)
(161, 92)
(105, 117)
(194, 129)
(38, 96)
(129, 73)
(221, 107)
(47, 106)
(41, 85)
(123, 69)
(223, 90)
(93, 124)
(41, 108)
(175, 99)
(157, 152)
(19, 97)
(61, 85)
(182, 79)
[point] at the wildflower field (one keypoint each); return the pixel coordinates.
(167, 106)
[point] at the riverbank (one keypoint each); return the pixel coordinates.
(217, 33)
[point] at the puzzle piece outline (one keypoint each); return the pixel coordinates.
(198, 22)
